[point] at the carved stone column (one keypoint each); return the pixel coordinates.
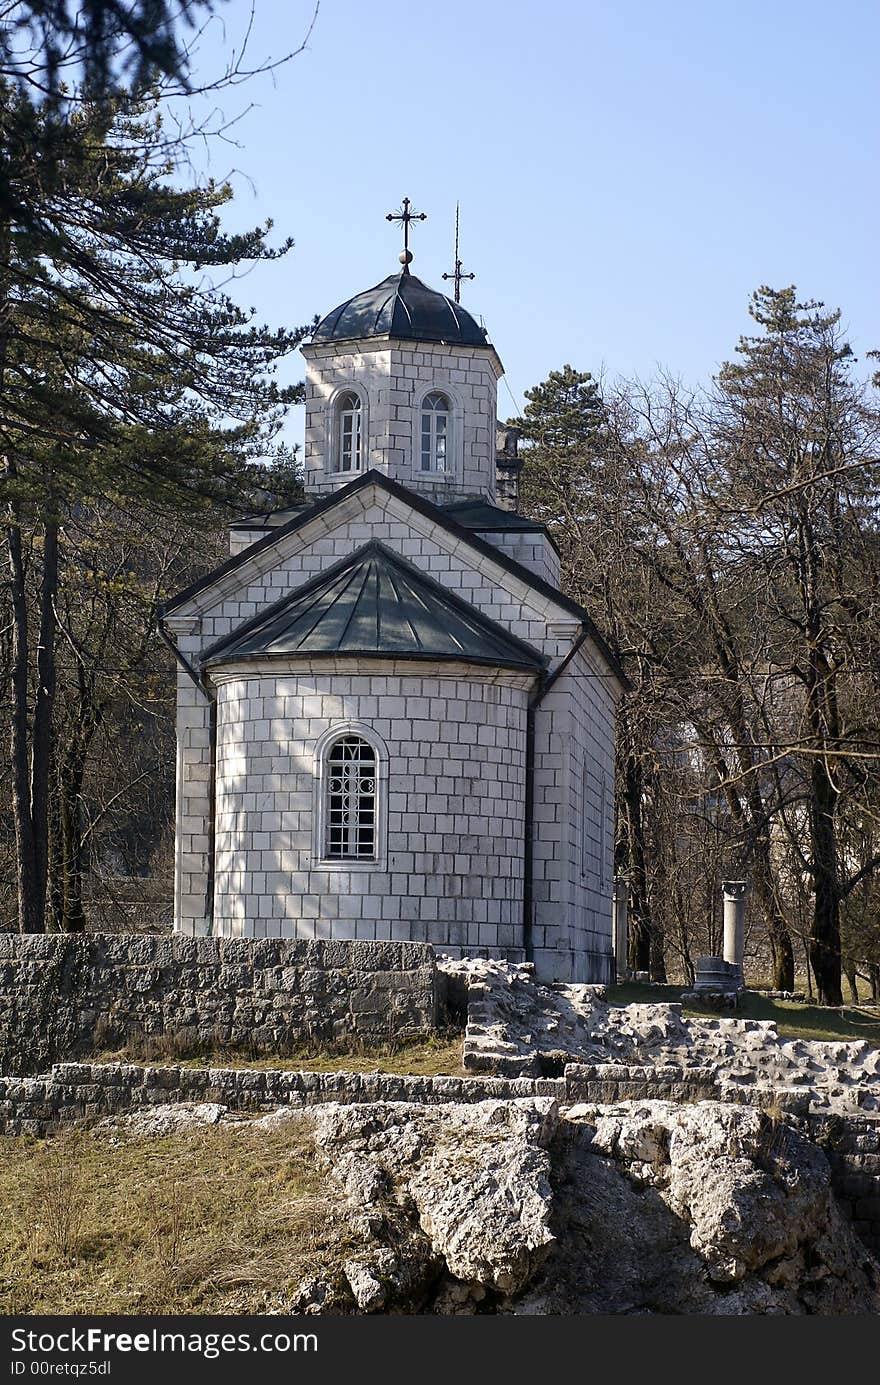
(734, 921)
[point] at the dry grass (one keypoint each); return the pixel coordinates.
(219, 1220)
(432, 1057)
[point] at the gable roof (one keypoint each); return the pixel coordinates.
(377, 604)
(430, 511)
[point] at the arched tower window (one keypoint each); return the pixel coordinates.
(349, 432)
(350, 789)
(436, 413)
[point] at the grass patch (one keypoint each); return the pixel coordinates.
(794, 1019)
(436, 1056)
(217, 1220)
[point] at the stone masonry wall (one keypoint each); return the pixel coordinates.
(852, 1148)
(534, 551)
(67, 994)
(574, 819)
(392, 379)
(572, 909)
(451, 803)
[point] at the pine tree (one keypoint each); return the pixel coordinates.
(799, 443)
(125, 371)
(575, 480)
(108, 44)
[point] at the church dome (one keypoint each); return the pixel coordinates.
(405, 308)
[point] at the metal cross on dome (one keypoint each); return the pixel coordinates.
(405, 216)
(457, 275)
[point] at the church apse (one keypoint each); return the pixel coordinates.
(386, 701)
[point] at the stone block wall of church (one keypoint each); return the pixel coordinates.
(565, 916)
(534, 551)
(393, 379)
(451, 805)
(574, 813)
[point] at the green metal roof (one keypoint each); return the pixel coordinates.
(481, 515)
(377, 604)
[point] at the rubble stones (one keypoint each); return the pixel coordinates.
(517, 1027)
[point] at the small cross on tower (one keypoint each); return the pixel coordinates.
(457, 274)
(405, 216)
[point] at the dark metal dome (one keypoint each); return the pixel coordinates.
(402, 306)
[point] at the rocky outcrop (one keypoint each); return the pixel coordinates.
(518, 1027)
(516, 1207)
(705, 1208)
(475, 1179)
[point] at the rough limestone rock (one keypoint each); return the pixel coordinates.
(477, 1177)
(166, 1119)
(639, 1207)
(519, 1027)
(366, 1286)
(511, 1206)
(705, 1208)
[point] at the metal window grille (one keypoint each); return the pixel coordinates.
(435, 432)
(349, 452)
(350, 823)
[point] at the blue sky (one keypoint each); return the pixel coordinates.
(628, 171)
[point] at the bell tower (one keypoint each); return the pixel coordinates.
(403, 380)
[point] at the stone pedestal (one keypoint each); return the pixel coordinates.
(620, 917)
(716, 976)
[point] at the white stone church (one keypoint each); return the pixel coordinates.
(392, 724)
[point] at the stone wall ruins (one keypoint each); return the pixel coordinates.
(62, 995)
(73, 1092)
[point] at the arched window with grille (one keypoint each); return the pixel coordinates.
(436, 416)
(350, 828)
(349, 432)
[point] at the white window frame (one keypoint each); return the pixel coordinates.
(320, 859)
(432, 416)
(454, 434)
(335, 416)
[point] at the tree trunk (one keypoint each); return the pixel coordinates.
(781, 948)
(30, 908)
(70, 790)
(821, 710)
(41, 734)
(825, 933)
(640, 916)
(55, 883)
(30, 914)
